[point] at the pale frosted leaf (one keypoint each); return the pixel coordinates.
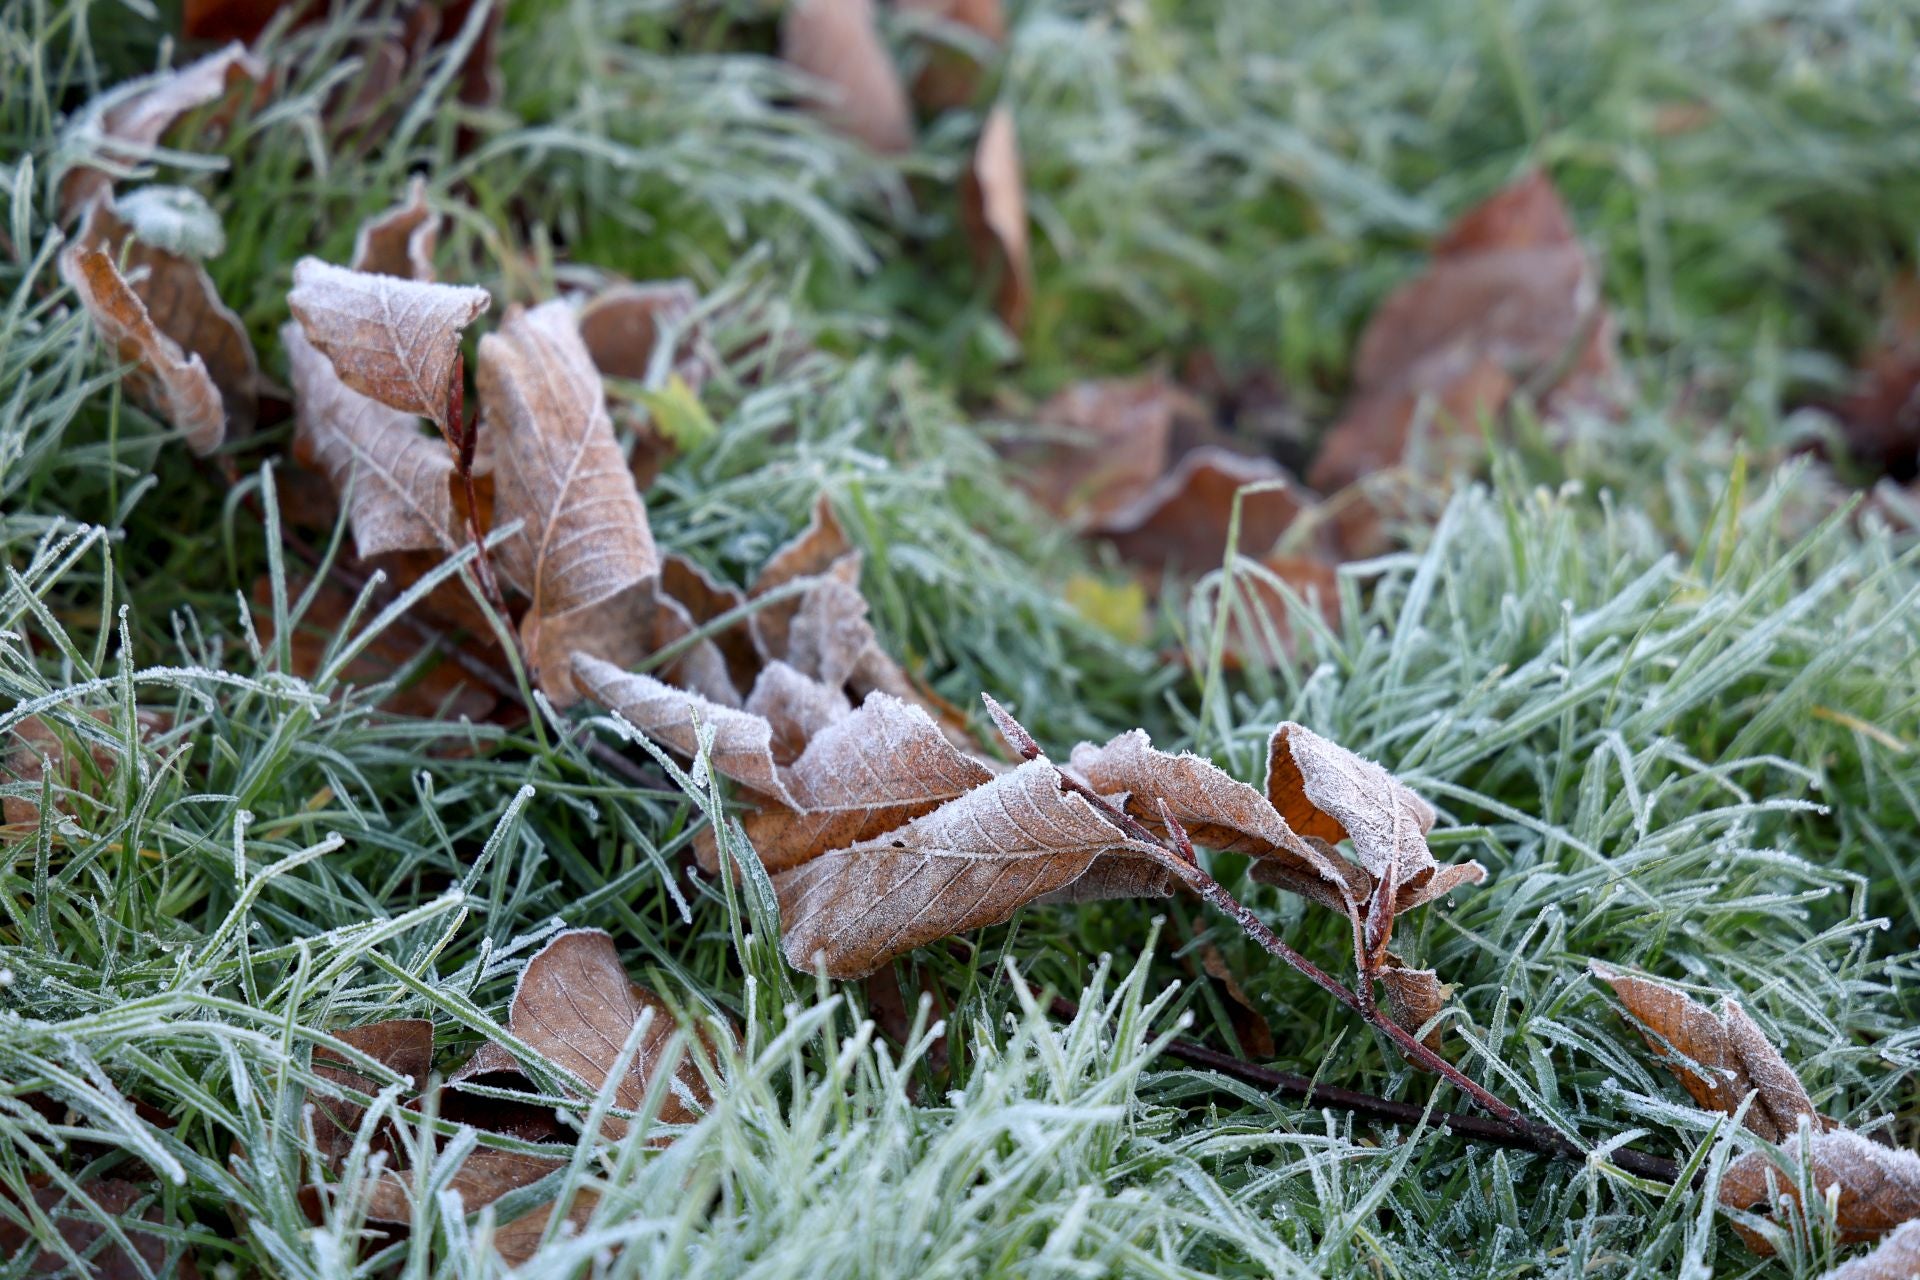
(124, 124)
(1896, 1258)
(174, 384)
(835, 41)
(742, 743)
(993, 209)
(400, 241)
(1324, 790)
(558, 470)
(796, 706)
(1879, 1187)
(398, 483)
(576, 1007)
(395, 340)
(877, 670)
(1217, 811)
(860, 777)
(175, 219)
(821, 546)
(970, 863)
(1718, 1060)
(830, 632)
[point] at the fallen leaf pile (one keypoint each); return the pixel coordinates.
(575, 1008)
(1723, 1060)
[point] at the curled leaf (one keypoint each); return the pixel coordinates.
(970, 863)
(173, 383)
(861, 776)
(400, 241)
(122, 126)
(397, 482)
(1719, 1060)
(395, 340)
(836, 41)
(624, 326)
(1324, 790)
(558, 470)
(706, 600)
(1878, 1187)
(993, 210)
(1415, 997)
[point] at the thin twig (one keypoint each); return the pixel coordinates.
(1317, 1093)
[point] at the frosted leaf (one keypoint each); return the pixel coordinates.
(1879, 1187)
(1897, 1258)
(705, 600)
(861, 776)
(829, 632)
(993, 209)
(1718, 1060)
(821, 546)
(796, 706)
(398, 483)
(559, 471)
(1324, 790)
(970, 863)
(1414, 997)
(124, 124)
(400, 241)
(395, 340)
(1217, 811)
(835, 41)
(173, 383)
(174, 219)
(402, 1045)
(742, 743)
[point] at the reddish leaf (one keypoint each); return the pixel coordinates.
(80, 1228)
(836, 42)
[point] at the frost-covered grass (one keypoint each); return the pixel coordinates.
(1671, 702)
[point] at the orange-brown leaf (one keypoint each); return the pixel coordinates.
(482, 1178)
(173, 383)
(1378, 428)
(1879, 1187)
(1719, 1060)
(993, 209)
(797, 707)
(83, 1232)
(400, 241)
(1322, 789)
(1108, 444)
(1415, 997)
(952, 74)
(970, 863)
(395, 340)
(1183, 518)
(835, 41)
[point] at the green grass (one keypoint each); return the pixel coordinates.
(1669, 699)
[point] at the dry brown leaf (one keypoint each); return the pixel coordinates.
(1719, 1060)
(395, 340)
(179, 296)
(172, 383)
(797, 707)
(1324, 790)
(397, 482)
(1377, 428)
(830, 633)
(1879, 1187)
(1182, 519)
(38, 750)
(1879, 416)
(951, 77)
(624, 325)
(124, 124)
(82, 1231)
(557, 468)
(400, 242)
(482, 1178)
(1217, 811)
(836, 41)
(993, 210)
(1261, 631)
(705, 600)
(742, 743)
(1115, 438)
(860, 777)
(1897, 1258)
(576, 1007)
(1249, 1026)
(240, 20)
(821, 547)
(970, 863)
(1414, 997)
(403, 1045)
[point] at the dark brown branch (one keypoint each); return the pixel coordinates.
(1318, 1093)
